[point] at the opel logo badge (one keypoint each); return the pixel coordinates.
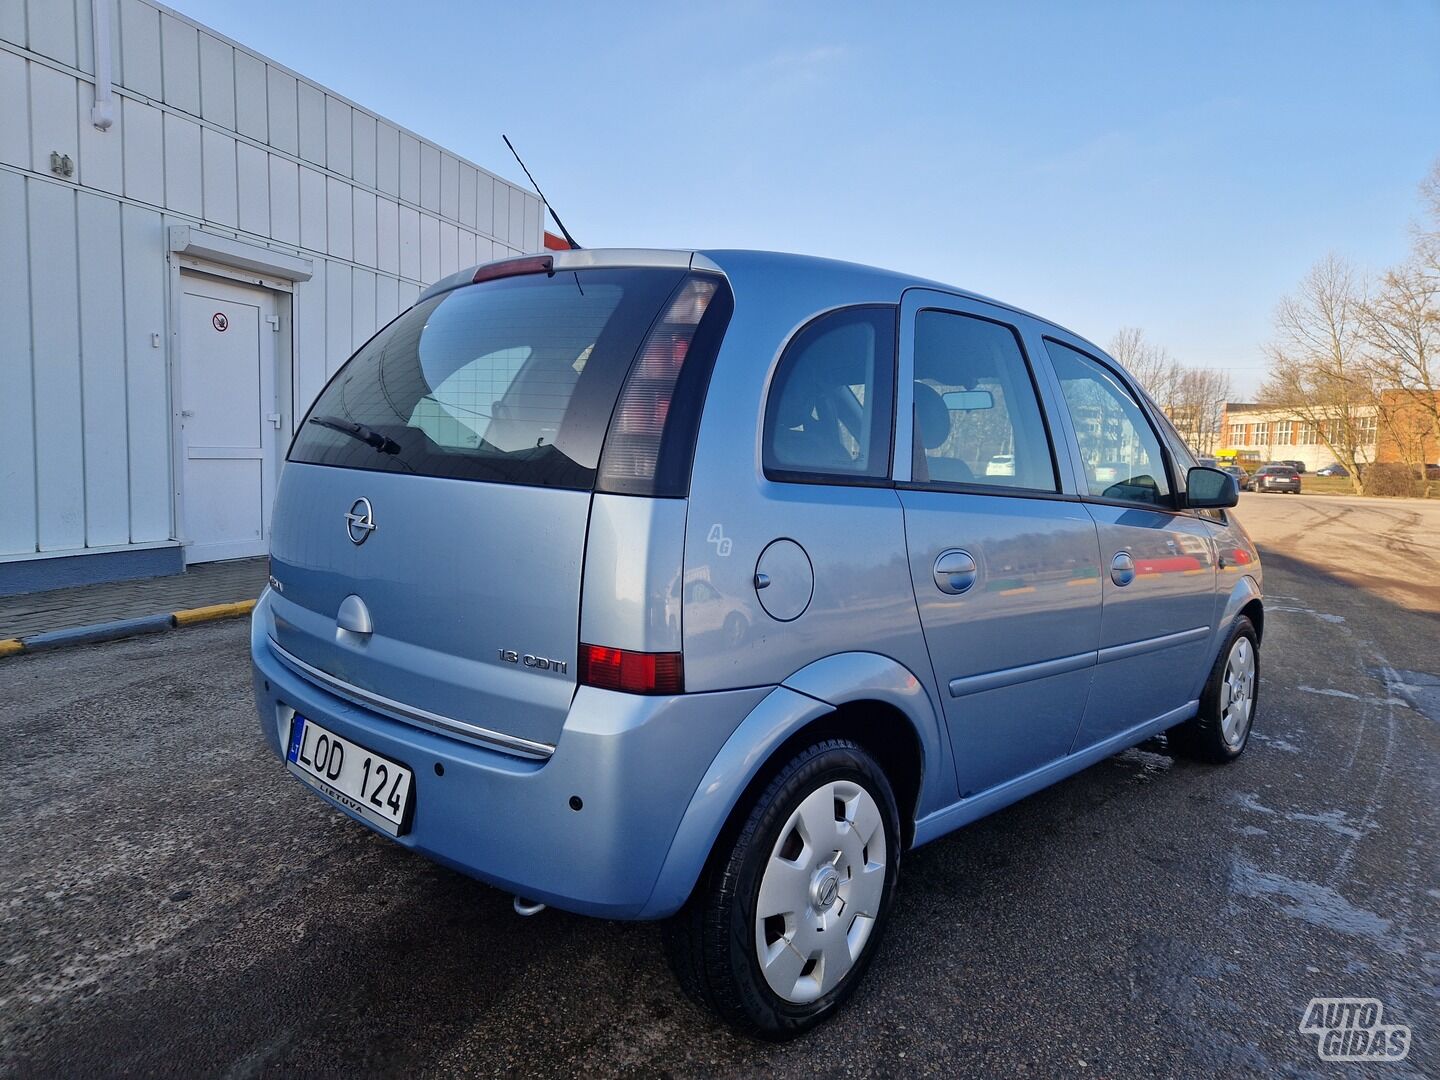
(828, 890)
(824, 888)
(360, 521)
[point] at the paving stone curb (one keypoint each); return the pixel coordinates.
(123, 628)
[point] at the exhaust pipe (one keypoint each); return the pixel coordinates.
(526, 907)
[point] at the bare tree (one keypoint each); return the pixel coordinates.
(1198, 408)
(1149, 363)
(1402, 347)
(1193, 397)
(1427, 231)
(1318, 370)
(1402, 338)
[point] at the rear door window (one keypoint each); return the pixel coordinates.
(512, 380)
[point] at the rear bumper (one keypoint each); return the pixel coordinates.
(634, 763)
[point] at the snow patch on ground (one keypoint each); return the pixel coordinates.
(1316, 904)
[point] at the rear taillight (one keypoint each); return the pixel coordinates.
(637, 430)
(632, 672)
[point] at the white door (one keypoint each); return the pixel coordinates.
(229, 418)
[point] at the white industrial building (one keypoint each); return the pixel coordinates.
(192, 238)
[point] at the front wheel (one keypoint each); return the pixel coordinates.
(787, 916)
(1220, 731)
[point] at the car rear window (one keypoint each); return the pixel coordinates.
(512, 380)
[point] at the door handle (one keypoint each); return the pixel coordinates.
(955, 571)
(274, 418)
(1122, 569)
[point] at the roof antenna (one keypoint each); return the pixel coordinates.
(568, 238)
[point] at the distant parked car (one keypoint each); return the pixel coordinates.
(1241, 476)
(1432, 472)
(1335, 469)
(1298, 466)
(1280, 478)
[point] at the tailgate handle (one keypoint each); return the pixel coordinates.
(354, 616)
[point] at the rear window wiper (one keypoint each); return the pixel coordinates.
(382, 444)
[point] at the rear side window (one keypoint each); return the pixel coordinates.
(830, 409)
(512, 380)
(977, 418)
(1120, 450)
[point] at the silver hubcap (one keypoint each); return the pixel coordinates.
(1237, 692)
(820, 891)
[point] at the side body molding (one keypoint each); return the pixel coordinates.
(809, 694)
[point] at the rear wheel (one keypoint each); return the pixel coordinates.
(1220, 731)
(787, 917)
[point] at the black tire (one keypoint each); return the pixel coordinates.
(1204, 736)
(711, 942)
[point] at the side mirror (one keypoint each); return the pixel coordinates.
(1210, 489)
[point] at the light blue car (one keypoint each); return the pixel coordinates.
(706, 584)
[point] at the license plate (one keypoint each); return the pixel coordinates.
(360, 780)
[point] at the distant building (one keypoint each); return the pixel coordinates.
(1277, 435)
(192, 239)
(1397, 429)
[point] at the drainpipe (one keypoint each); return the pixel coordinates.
(102, 114)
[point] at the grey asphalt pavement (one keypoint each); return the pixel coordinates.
(172, 903)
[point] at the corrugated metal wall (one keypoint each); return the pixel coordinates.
(208, 133)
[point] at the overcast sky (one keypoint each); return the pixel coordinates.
(1174, 167)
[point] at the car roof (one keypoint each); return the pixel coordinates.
(746, 262)
(743, 266)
